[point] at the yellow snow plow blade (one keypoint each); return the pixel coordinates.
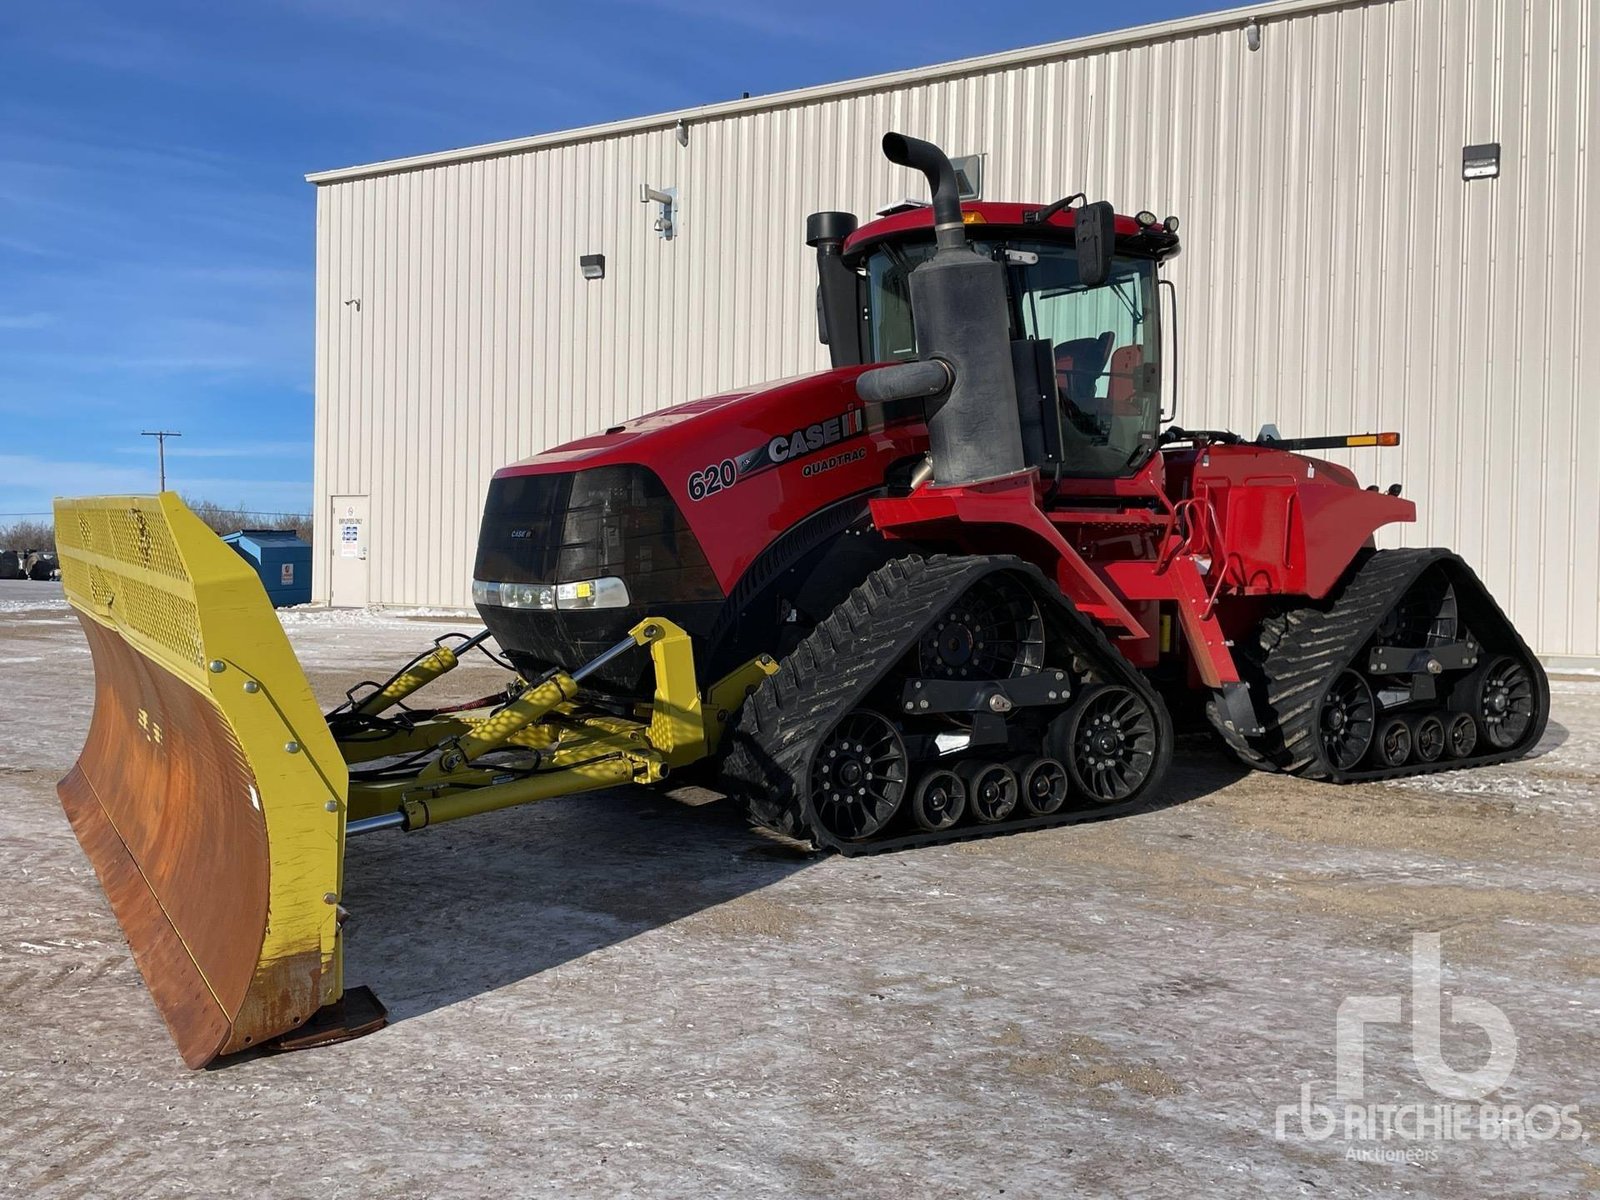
(210, 794)
(214, 799)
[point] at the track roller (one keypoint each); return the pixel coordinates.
(1428, 737)
(1041, 784)
(991, 789)
(1461, 735)
(939, 800)
(1393, 746)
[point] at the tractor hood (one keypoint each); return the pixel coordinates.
(645, 434)
(742, 467)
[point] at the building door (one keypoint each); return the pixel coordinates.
(348, 571)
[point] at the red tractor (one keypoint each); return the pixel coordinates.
(985, 568)
(953, 585)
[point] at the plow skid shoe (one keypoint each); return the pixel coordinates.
(209, 796)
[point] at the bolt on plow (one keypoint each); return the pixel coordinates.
(213, 798)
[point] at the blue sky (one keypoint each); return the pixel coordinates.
(156, 234)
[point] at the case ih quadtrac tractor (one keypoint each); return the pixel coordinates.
(951, 586)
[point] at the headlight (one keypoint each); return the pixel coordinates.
(609, 592)
(527, 595)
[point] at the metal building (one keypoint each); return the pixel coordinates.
(1349, 265)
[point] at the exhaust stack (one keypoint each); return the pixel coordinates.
(958, 302)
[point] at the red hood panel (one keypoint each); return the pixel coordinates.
(745, 466)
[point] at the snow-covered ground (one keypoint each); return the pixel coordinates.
(632, 994)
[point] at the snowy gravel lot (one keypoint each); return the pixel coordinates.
(632, 994)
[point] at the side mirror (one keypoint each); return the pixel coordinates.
(1095, 233)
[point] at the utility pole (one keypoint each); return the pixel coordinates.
(161, 436)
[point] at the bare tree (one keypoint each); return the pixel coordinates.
(225, 520)
(28, 535)
(41, 535)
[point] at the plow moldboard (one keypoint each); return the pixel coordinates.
(209, 796)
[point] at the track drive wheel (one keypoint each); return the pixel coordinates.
(1108, 742)
(938, 801)
(993, 631)
(858, 777)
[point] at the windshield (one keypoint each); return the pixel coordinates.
(1106, 341)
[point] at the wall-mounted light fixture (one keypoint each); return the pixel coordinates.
(1252, 35)
(683, 132)
(667, 219)
(1480, 162)
(969, 175)
(593, 266)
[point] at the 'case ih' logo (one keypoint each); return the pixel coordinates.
(784, 448)
(801, 442)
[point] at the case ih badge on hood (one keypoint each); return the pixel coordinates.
(786, 447)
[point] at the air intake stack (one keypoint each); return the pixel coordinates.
(838, 288)
(958, 301)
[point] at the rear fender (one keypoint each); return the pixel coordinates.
(1291, 524)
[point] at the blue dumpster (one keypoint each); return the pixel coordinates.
(282, 560)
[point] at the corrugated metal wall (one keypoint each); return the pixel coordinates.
(1338, 273)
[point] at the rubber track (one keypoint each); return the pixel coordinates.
(849, 653)
(1300, 652)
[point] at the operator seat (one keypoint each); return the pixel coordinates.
(1122, 382)
(1079, 365)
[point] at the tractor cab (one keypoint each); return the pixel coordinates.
(1084, 320)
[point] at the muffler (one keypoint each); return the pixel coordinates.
(958, 301)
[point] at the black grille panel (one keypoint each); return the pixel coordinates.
(609, 521)
(519, 538)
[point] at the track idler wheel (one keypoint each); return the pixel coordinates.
(991, 789)
(1393, 746)
(1461, 735)
(1108, 741)
(938, 801)
(1428, 738)
(858, 777)
(1503, 699)
(1347, 720)
(1041, 785)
